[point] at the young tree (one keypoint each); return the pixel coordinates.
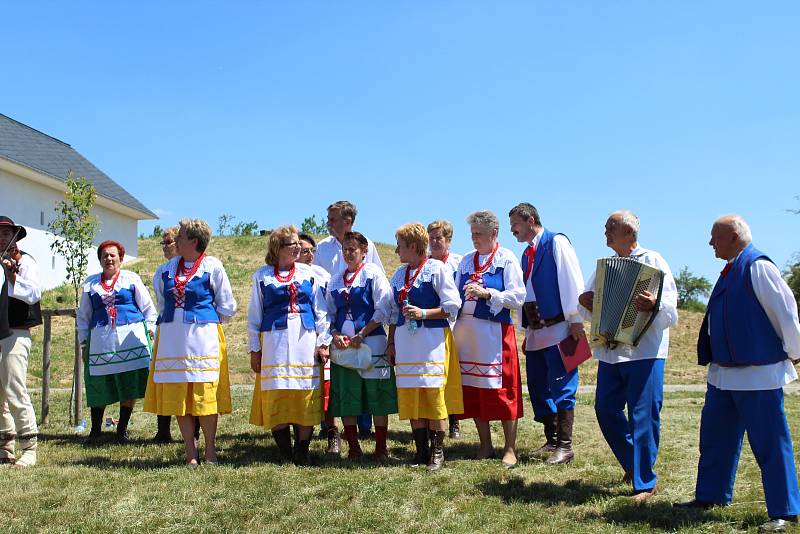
(792, 276)
(224, 223)
(242, 229)
(157, 231)
(311, 226)
(690, 289)
(75, 228)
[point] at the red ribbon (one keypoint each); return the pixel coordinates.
(409, 281)
(530, 253)
(480, 269)
(180, 285)
(109, 298)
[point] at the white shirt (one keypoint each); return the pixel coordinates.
(382, 294)
(322, 275)
(26, 286)
(127, 279)
(224, 301)
(453, 260)
(441, 280)
(511, 297)
(329, 255)
(570, 283)
(654, 344)
(778, 302)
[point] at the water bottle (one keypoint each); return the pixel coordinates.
(81, 428)
(412, 324)
(109, 423)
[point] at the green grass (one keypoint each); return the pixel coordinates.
(241, 257)
(143, 487)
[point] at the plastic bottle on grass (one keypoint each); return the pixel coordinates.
(81, 428)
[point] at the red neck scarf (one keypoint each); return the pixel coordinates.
(480, 269)
(409, 281)
(181, 272)
(530, 253)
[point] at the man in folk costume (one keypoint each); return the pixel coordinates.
(329, 256)
(634, 376)
(749, 339)
(553, 281)
(18, 419)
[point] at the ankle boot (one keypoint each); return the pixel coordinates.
(351, 435)
(163, 433)
(28, 444)
(97, 425)
(455, 427)
(301, 455)
(436, 460)
(551, 435)
(283, 439)
(381, 452)
(122, 426)
(334, 441)
(421, 441)
(563, 453)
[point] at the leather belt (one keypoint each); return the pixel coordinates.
(544, 323)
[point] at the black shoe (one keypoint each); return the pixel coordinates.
(694, 504)
(436, 460)
(162, 438)
(423, 453)
(301, 457)
(778, 524)
(455, 428)
(122, 438)
(92, 440)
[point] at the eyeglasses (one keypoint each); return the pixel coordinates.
(167, 243)
(307, 250)
(292, 244)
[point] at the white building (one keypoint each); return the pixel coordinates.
(33, 170)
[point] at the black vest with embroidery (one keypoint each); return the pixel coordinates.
(5, 331)
(22, 315)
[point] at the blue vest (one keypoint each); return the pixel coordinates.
(125, 303)
(198, 300)
(275, 305)
(741, 333)
(493, 281)
(544, 277)
(425, 297)
(361, 307)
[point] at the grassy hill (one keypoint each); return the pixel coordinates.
(241, 257)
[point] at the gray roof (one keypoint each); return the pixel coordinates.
(29, 147)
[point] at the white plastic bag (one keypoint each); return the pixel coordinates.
(359, 359)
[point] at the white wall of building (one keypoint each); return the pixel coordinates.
(32, 205)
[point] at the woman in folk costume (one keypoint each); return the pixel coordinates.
(421, 346)
(359, 301)
(189, 373)
(490, 281)
(287, 326)
(115, 321)
(440, 235)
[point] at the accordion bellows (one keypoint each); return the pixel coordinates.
(615, 319)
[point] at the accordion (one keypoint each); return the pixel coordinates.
(615, 319)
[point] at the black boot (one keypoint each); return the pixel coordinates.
(455, 427)
(301, 455)
(122, 426)
(283, 439)
(163, 434)
(436, 460)
(421, 441)
(550, 422)
(563, 453)
(97, 425)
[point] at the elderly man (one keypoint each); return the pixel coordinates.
(553, 281)
(341, 217)
(750, 336)
(634, 376)
(18, 420)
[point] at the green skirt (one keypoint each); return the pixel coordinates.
(110, 389)
(352, 395)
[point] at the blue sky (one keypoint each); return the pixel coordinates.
(680, 111)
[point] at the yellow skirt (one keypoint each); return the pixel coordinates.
(435, 403)
(191, 398)
(274, 407)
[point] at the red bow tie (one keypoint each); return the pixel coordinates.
(726, 269)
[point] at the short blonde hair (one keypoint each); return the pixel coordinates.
(276, 239)
(414, 234)
(172, 231)
(197, 229)
(444, 226)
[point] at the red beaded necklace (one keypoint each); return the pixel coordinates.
(282, 278)
(409, 280)
(180, 271)
(290, 287)
(109, 298)
(480, 269)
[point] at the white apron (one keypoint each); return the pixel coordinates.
(112, 350)
(380, 370)
(420, 357)
(287, 357)
(186, 352)
(480, 352)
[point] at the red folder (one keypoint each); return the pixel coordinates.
(574, 352)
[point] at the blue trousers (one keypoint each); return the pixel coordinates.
(364, 422)
(639, 385)
(726, 416)
(551, 388)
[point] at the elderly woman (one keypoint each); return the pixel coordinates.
(359, 301)
(424, 308)
(115, 321)
(288, 338)
(490, 281)
(440, 235)
(189, 373)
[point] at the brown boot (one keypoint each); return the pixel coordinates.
(334, 441)
(563, 453)
(455, 427)
(436, 461)
(283, 439)
(550, 434)
(421, 441)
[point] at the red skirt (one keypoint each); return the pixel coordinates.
(504, 404)
(326, 394)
